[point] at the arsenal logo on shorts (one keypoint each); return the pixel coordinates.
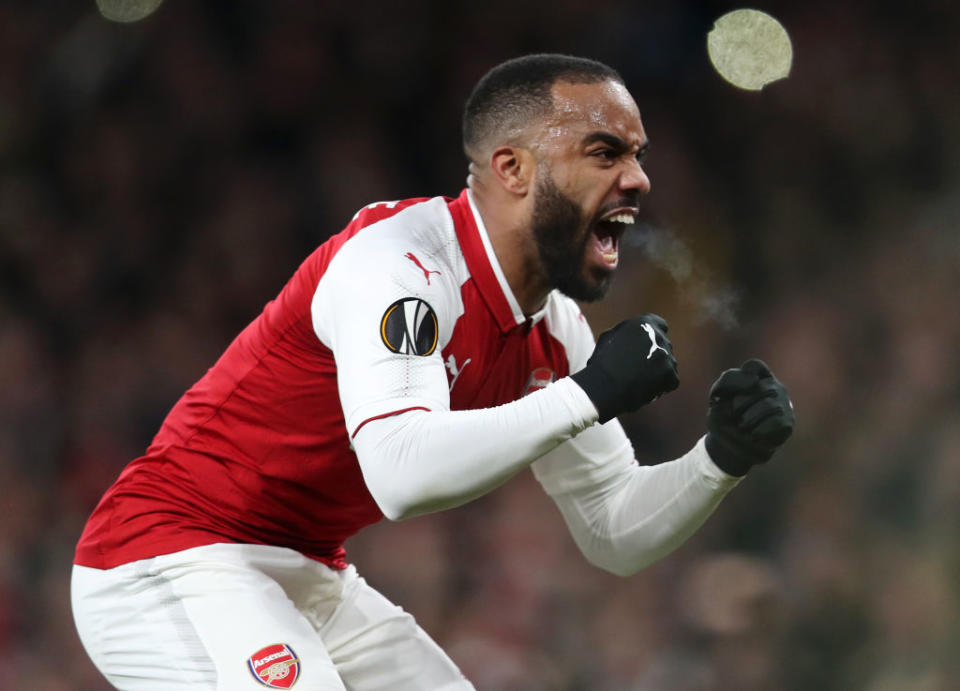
(275, 666)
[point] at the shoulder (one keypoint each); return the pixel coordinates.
(422, 220)
(392, 253)
(414, 237)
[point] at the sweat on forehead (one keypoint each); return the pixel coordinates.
(591, 105)
(583, 113)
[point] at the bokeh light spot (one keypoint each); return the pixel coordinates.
(750, 49)
(126, 11)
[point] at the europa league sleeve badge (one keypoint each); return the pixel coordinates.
(409, 327)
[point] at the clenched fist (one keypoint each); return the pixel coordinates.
(631, 366)
(750, 416)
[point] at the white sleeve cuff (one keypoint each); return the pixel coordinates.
(710, 471)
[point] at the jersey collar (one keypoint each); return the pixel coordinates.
(482, 263)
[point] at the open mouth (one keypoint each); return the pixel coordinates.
(607, 232)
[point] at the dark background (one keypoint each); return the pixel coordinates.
(160, 181)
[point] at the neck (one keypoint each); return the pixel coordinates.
(513, 244)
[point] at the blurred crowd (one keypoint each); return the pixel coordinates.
(159, 181)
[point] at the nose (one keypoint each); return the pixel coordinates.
(634, 177)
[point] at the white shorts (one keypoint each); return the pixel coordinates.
(230, 617)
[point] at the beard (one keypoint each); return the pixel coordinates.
(562, 238)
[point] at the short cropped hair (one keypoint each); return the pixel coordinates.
(518, 91)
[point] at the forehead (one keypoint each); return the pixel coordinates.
(582, 109)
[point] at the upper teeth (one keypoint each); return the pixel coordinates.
(621, 218)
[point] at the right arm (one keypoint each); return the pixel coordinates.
(418, 462)
(416, 454)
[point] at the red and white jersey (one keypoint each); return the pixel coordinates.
(405, 309)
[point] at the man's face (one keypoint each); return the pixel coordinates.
(589, 185)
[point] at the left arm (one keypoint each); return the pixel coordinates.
(624, 516)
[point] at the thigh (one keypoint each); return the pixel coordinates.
(169, 623)
(377, 646)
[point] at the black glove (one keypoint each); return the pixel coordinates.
(631, 366)
(750, 416)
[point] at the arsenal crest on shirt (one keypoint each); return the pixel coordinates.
(275, 666)
(539, 378)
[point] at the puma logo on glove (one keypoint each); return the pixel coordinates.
(618, 378)
(654, 346)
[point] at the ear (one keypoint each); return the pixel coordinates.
(513, 168)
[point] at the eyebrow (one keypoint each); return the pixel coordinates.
(614, 141)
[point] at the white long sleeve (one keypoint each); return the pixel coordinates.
(418, 462)
(636, 515)
(417, 313)
(622, 516)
